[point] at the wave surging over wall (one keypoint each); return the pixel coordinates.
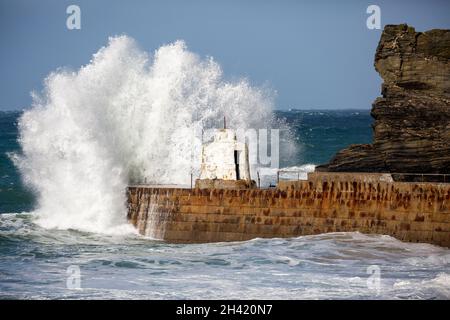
(126, 116)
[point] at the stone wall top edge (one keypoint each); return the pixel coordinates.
(286, 185)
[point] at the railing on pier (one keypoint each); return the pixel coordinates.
(421, 177)
(294, 172)
(396, 176)
(297, 175)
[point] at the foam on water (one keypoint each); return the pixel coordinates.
(126, 116)
(334, 265)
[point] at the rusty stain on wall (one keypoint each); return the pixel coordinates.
(327, 202)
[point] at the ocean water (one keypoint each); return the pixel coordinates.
(66, 160)
(37, 263)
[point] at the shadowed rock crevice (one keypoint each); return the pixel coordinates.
(412, 118)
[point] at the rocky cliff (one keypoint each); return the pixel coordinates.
(412, 118)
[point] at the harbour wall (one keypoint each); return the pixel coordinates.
(326, 202)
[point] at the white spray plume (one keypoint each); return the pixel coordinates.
(125, 117)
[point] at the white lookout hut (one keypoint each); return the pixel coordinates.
(225, 158)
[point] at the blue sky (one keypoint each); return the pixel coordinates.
(315, 54)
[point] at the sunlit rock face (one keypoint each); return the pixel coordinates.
(412, 118)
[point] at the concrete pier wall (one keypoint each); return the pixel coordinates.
(326, 202)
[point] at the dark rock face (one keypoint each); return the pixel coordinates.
(412, 118)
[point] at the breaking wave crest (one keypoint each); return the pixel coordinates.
(126, 116)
